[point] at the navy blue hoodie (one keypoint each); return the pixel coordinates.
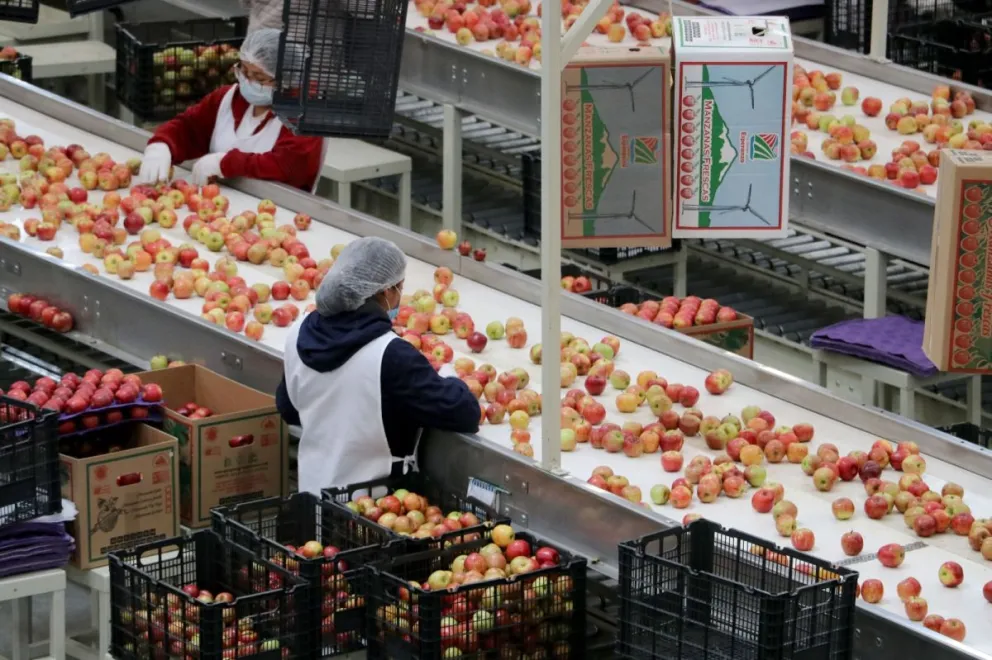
(413, 394)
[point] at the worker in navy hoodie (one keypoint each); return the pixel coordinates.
(360, 393)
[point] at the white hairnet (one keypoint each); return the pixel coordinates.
(261, 48)
(364, 268)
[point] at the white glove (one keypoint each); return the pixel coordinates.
(206, 167)
(155, 164)
(447, 371)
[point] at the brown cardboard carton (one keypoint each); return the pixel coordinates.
(735, 336)
(239, 453)
(958, 331)
(125, 498)
(616, 149)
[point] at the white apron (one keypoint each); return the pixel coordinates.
(343, 440)
(244, 137)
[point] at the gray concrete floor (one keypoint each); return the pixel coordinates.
(77, 616)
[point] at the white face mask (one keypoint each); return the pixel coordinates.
(253, 92)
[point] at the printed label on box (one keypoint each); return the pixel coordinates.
(971, 348)
(737, 33)
(730, 156)
(614, 164)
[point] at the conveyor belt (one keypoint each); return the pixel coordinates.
(770, 280)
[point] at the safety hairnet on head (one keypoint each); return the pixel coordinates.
(364, 268)
(261, 48)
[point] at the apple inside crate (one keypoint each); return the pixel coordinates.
(232, 441)
(511, 592)
(124, 483)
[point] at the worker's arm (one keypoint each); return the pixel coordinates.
(188, 134)
(285, 406)
(294, 160)
(417, 393)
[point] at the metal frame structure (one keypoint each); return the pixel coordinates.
(128, 324)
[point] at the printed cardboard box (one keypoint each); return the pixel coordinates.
(239, 453)
(733, 111)
(125, 498)
(735, 336)
(958, 331)
(616, 149)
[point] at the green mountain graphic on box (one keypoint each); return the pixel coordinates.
(763, 146)
(722, 151)
(604, 158)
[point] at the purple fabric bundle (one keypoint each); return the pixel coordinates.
(894, 341)
(33, 546)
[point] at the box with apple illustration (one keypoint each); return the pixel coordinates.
(126, 497)
(232, 442)
(958, 331)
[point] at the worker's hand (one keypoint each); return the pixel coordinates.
(206, 168)
(447, 371)
(155, 164)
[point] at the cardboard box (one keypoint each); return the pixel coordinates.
(733, 113)
(732, 336)
(125, 498)
(958, 330)
(239, 453)
(616, 149)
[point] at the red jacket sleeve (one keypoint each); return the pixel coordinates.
(294, 160)
(188, 134)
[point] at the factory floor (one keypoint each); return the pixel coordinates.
(77, 616)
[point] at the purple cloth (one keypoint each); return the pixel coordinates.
(34, 546)
(894, 341)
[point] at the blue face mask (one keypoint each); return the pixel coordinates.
(393, 313)
(253, 92)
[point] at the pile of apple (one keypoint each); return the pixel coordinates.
(518, 33)
(909, 592)
(9, 54)
(409, 514)
(193, 410)
(185, 74)
(672, 312)
(172, 628)
(85, 402)
(446, 240)
(489, 602)
(40, 311)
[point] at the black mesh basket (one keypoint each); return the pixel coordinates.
(339, 581)
(29, 462)
(418, 483)
(165, 67)
(539, 614)
(339, 66)
(80, 7)
(19, 67)
(703, 592)
(957, 48)
(156, 614)
(22, 11)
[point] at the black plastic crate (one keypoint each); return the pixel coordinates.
(29, 462)
(153, 615)
(19, 67)
(339, 67)
(277, 528)
(165, 67)
(617, 296)
(707, 592)
(534, 614)
(969, 433)
(80, 7)
(22, 11)
(958, 48)
(418, 483)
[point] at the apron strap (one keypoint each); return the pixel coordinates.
(407, 464)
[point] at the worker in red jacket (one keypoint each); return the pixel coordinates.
(233, 131)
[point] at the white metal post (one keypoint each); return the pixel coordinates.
(879, 30)
(556, 54)
(551, 63)
(451, 169)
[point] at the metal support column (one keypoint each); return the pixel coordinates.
(876, 265)
(879, 30)
(681, 266)
(451, 155)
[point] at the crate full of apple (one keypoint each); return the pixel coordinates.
(509, 595)
(95, 400)
(15, 64)
(202, 597)
(416, 507)
(322, 543)
(705, 319)
(165, 67)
